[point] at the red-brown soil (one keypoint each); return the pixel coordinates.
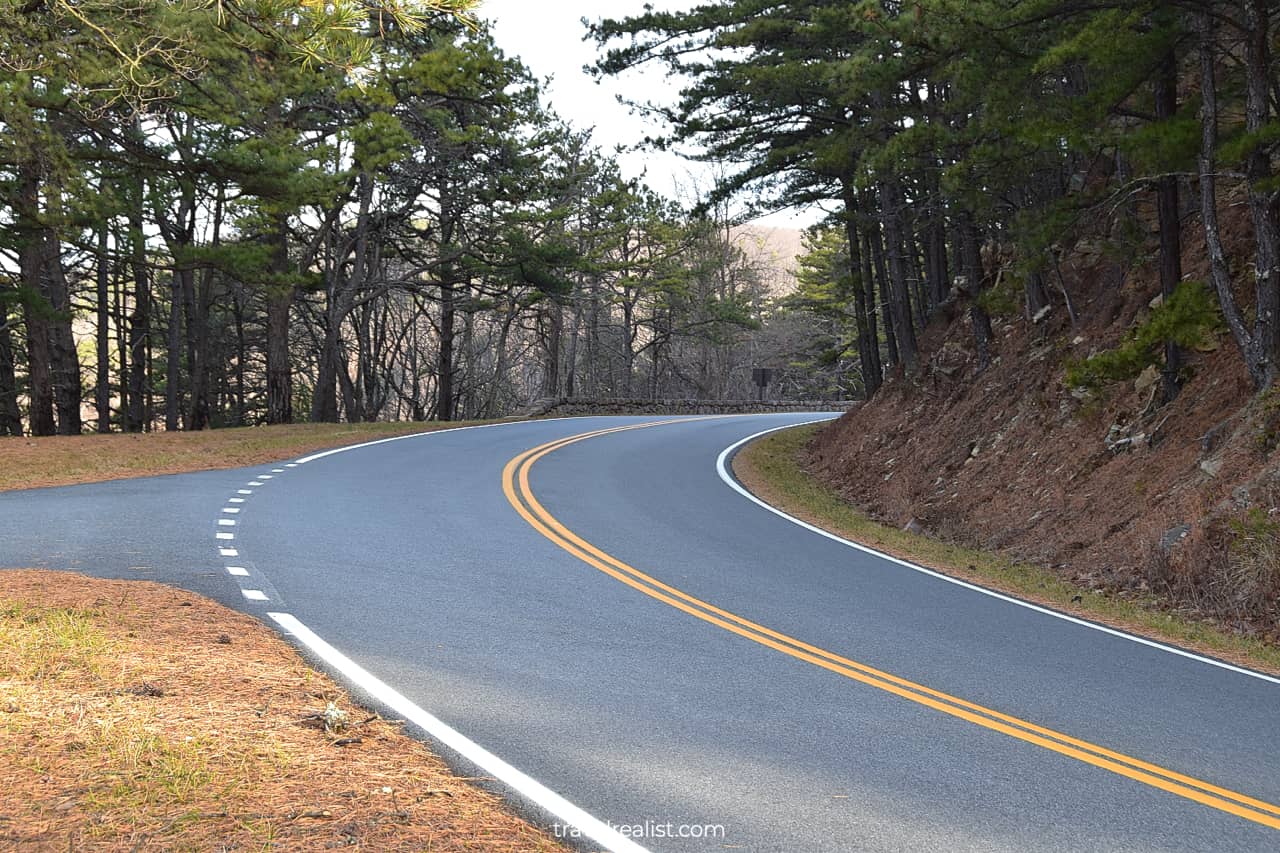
(1011, 459)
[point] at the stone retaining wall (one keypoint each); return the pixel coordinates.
(567, 407)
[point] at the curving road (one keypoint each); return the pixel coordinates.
(608, 615)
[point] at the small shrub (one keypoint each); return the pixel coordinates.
(1269, 420)
(1229, 568)
(1188, 318)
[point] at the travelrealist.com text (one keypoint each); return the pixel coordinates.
(649, 829)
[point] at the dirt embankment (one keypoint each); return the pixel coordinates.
(1012, 458)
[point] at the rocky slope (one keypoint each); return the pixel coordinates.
(1175, 502)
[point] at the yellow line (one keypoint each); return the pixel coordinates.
(515, 485)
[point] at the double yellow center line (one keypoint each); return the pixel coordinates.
(515, 484)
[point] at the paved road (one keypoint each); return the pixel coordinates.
(661, 651)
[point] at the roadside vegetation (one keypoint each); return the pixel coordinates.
(773, 468)
(59, 461)
(135, 716)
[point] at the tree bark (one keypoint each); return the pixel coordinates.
(279, 303)
(868, 347)
(875, 238)
(139, 328)
(1264, 201)
(1170, 224)
(64, 358)
(10, 414)
(444, 364)
(102, 389)
(173, 358)
(1219, 271)
(900, 292)
(975, 277)
(35, 313)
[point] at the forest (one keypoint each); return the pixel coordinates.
(967, 147)
(230, 213)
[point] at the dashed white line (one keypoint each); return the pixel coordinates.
(226, 522)
(244, 491)
(254, 594)
(277, 470)
(228, 552)
(528, 787)
(254, 483)
(292, 465)
(238, 571)
(264, 477)
(231, 510)
(226, 536)
(235, 500)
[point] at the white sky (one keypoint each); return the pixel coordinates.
(547, 35)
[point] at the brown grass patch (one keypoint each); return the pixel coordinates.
(65, 460)
(135, 716)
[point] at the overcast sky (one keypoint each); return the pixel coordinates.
(547, 36)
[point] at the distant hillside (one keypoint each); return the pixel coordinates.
(774, 251)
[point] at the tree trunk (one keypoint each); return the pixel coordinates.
(35, 313)
(139, 324)
(1263, 355)
(64, 358)
(555, 327)
(882, 289)
(444, 365)
(10, 414)
(102, 390)
(975, 277)
(864, 314)
(1219, 272)
(1036, 295)
(1170, 223)
(279, 303)
(900, 293)
(173, 359)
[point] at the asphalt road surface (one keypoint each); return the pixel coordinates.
(611, 617)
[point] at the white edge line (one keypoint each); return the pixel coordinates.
(520, 782)
(727, 477)
(313, 457)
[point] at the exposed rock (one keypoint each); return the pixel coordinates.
(1118, 439)
(1241, 497)
(1042, 313)
(1156, 302)
(1210, 441)
(914, 526)
(1174, 536)
(1212, 467)
(1146, 380)
(1079, 339)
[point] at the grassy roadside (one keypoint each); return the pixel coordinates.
(772, 468)
(65, 460)
(135, 716)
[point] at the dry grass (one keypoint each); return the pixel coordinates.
(64, 460)
(135, 716)
(773, 468)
